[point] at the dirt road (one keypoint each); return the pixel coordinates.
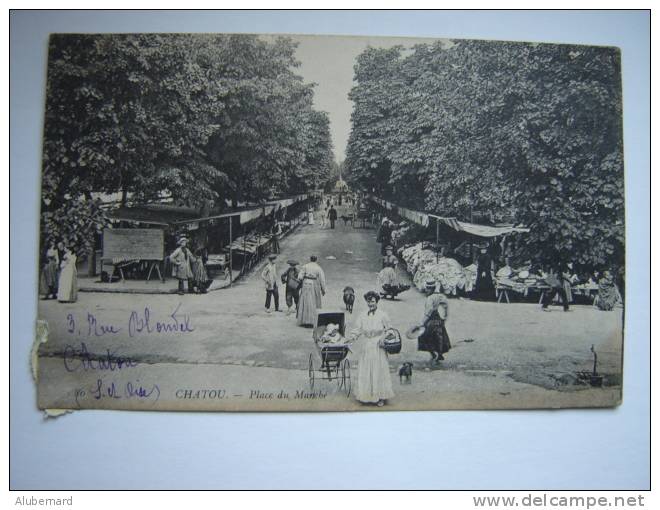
(513, 343)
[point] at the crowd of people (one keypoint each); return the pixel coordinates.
(305, 287)
(59, 275)
(490, 264)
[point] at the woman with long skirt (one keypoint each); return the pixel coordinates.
(50, 273)
(374, 383)
(313, 288)
(67, 288)
(434, 339)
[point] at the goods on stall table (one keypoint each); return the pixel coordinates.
(519, 280)
(416, 255)
(425, 265)
(446, 271)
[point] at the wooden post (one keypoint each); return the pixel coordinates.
(231, 267)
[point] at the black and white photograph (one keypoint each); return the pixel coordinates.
(246, 222)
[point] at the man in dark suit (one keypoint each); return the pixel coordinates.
(332, 216)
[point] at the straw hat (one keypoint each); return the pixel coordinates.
(415, 332)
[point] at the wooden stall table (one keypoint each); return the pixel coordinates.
(218, 263)
(503, 291)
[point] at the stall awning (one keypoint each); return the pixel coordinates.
(423, 219)
(479, 230)
(414, 216)
(152, 214)
(251, 213)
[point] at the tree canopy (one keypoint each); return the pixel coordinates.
(529, 133)
(188, 116)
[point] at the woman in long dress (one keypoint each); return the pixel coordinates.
(67, 288)
(313, 288)
(484, 287)
(434, 339)
(200, 277)
(50, 273)
(374, 383)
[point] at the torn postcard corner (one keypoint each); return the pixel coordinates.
(41, 337)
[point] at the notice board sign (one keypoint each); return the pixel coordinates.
(133, 243)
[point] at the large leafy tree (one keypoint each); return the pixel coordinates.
(191, 117)
(375, 116)
(518, 131)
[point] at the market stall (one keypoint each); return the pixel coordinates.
(441, 248)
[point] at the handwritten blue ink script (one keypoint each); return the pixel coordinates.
(138, 323)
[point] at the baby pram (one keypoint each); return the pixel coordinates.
(329, 363)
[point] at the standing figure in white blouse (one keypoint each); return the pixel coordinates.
(374, 384)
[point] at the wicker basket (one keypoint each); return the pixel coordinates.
(392, 341)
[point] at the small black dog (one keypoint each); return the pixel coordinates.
(406, 371)
(349, 298)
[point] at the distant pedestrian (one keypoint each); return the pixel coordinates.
(276, 231)
(181, 265)
(291, 279)
(484, 287)
(555, 279)
(269, 276)
(332, 215)
(384, 236)
(67, 287)
(324, 217)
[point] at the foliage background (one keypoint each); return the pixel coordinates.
(528, 133)
(191, 117)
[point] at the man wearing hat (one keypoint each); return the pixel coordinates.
(269, 276)
(180, 260)
(291, 279)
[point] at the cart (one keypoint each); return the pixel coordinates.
(329, 362)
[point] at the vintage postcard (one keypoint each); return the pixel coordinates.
(318, 223)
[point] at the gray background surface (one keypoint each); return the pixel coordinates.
(573, 449)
